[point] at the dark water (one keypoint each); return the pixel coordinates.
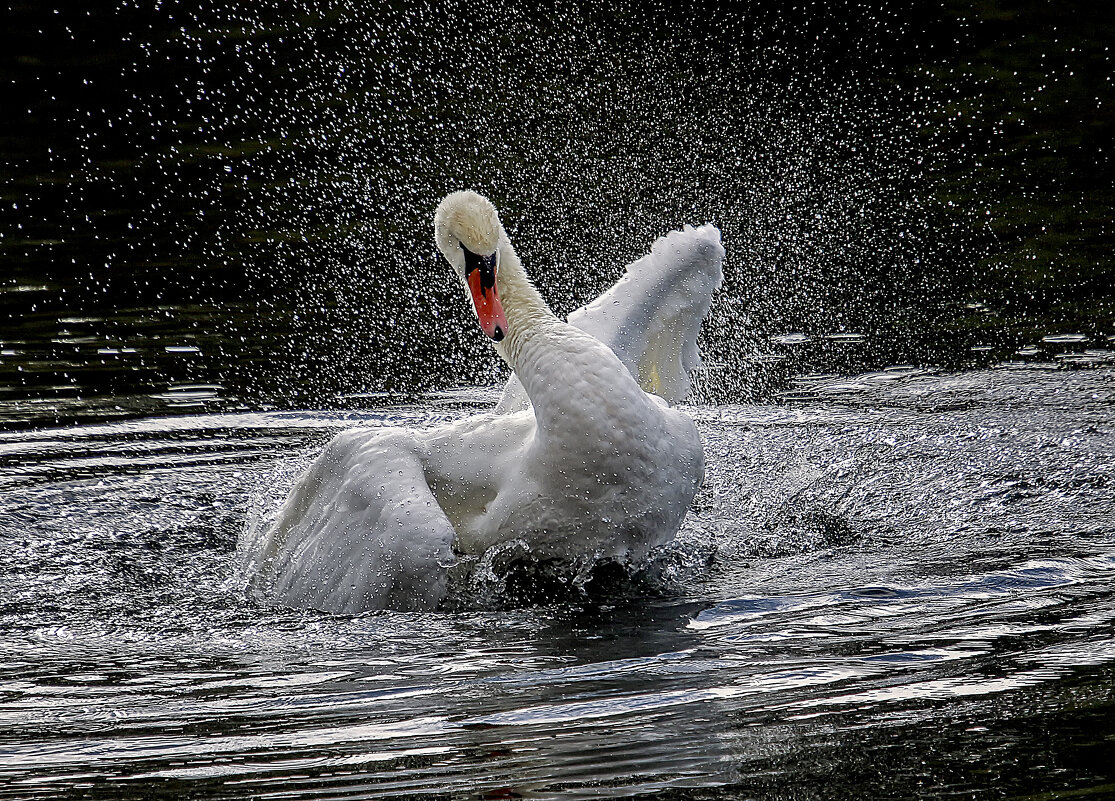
(203, 193)
(897, 580)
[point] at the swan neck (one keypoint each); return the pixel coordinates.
(550, 356)
(527, 313)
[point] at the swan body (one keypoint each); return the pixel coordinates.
(578, 461)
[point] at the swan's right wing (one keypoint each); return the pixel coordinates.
(652, 316)
(360, 530)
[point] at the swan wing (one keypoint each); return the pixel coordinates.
(652, 316)
(360, 530)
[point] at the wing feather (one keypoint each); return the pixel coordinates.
(360, 530)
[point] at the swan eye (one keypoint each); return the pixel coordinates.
(485, 264)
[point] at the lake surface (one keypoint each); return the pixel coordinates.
(215, 252)
(902, 586)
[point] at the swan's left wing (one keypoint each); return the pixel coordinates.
(652, 316)
(360, 530)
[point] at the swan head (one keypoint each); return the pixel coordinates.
(470, 236)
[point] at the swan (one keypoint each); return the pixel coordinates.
(578, 460)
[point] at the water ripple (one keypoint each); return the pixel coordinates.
(851, 574)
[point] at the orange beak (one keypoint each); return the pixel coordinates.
(480, 272)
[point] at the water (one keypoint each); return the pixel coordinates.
(215, 252)
(902, 585)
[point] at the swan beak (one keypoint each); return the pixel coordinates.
(480, 274)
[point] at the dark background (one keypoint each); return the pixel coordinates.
(206, 206)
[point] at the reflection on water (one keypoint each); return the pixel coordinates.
(898, 585)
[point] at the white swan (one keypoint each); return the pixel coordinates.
(589, 466)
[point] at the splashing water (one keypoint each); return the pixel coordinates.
(239, 198)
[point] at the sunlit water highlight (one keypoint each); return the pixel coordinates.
(894, 586)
